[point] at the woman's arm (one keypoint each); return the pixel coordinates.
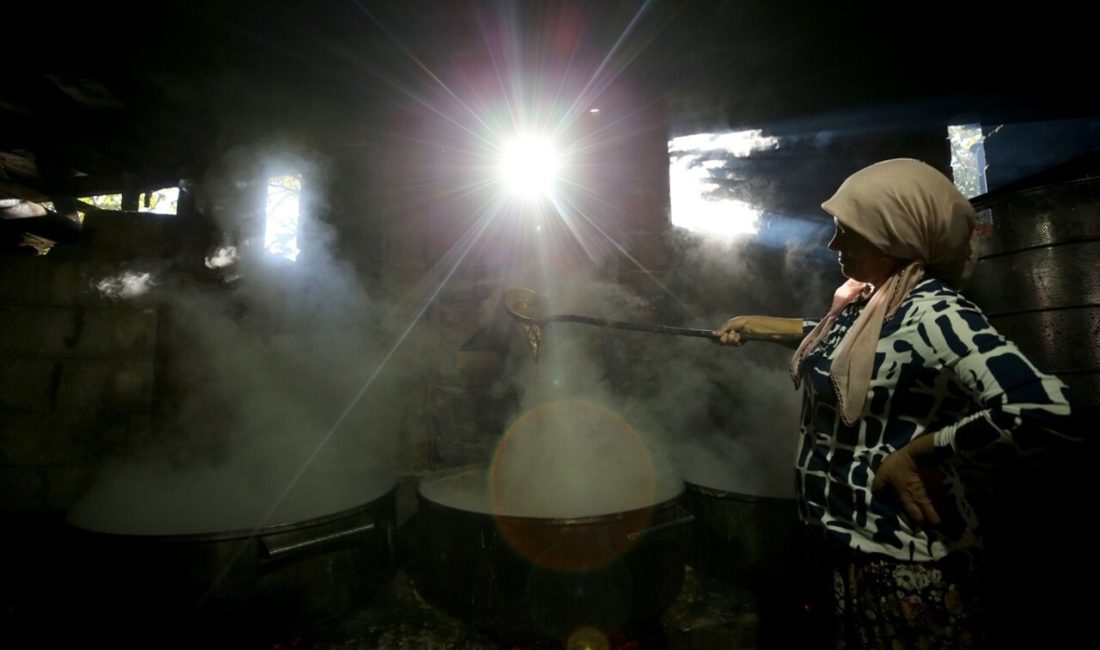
(1021, 409)
(788, 331)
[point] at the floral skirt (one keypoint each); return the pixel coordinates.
(880, 602)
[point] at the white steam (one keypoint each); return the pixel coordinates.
(222, 257)
(274, 413)
(125, 285)
(725, 418)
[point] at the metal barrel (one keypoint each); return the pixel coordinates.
(1038, 277)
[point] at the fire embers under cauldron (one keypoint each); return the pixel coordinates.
(597, 574)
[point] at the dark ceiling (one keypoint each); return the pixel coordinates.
(96, 97)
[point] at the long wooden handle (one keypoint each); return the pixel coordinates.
(656, 329)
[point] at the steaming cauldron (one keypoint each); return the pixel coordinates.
(233, 588)
(743, 539)
(539, 577)
(756, 543)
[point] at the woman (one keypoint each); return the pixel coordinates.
(904, 381)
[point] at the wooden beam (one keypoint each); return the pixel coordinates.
(78, 186)
(21, 191)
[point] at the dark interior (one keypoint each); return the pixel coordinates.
(388, 335)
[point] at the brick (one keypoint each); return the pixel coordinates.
(479, 367)
(463, 290)
(84, 385)
(59, 439)
(64, 282)
(407, 244)
(451, 452)
(25, 280)
(64, 486)
(135, 332)
(454, 323)
(92, 337)
(25, 384)
(465, 426)
(649, 214)
(131, 386)
(36, 331)
(647, 286)
(139, 426)
(22, 489)
(480, 266)
(48, 333)
(648, 249)
(115, 333)
(113, 236)
(415, 452)
(57, 280)
(401, 279)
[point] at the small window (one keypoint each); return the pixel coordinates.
(104, 201)
(700, 182)
(162, 201)
(283, 210)
(968, 158)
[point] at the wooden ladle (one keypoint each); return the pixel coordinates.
(529, 308)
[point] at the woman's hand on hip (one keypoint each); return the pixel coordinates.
(901, 472)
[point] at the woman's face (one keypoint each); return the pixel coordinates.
(859, 259)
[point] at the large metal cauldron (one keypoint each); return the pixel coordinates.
(743, 539)
(757, 544)
(542, 578)
(1038, 281)
(235, 589)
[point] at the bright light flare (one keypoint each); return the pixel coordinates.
(529, 166)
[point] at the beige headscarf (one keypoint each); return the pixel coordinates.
(907, 210)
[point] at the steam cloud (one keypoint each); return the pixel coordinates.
(270, 359)
(721, 417)
(272, 426)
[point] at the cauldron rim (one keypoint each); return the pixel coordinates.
(983, 201)
(237, 533)
(719, 493)
(530, 520)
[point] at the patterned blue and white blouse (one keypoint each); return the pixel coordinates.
(941, 369)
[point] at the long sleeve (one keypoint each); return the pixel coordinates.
(1023, 409)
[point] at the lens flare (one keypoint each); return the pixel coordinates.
(570, 485)
(587, 638)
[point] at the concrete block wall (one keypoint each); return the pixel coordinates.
(77, 367)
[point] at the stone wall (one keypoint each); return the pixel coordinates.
(79, 367)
